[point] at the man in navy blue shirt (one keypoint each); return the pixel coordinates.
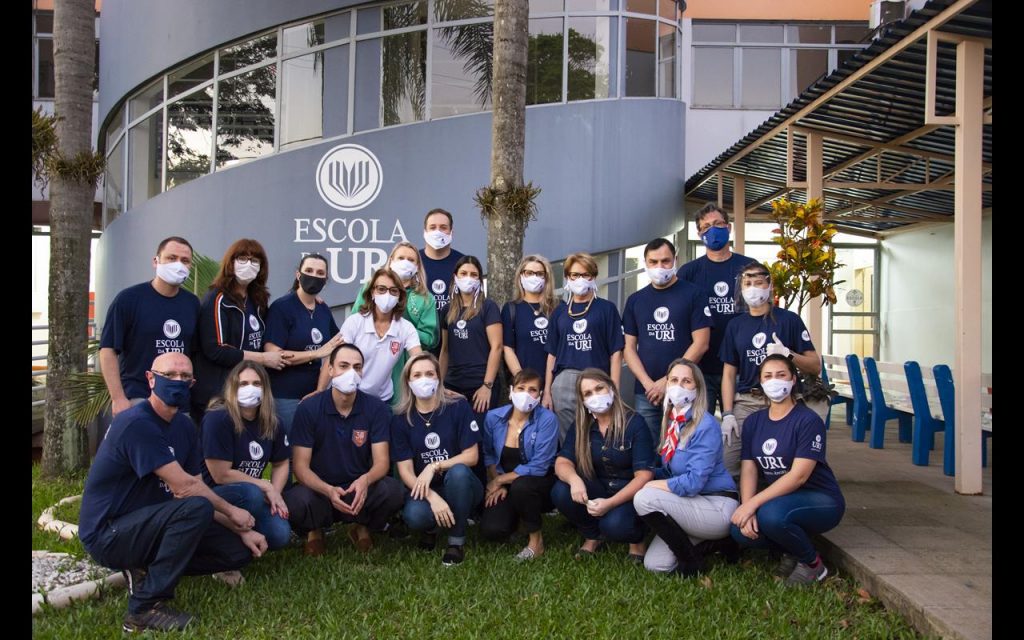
(146, 320)
(340, 455)
(715, 273)
(438, 258)
(147, 511)
(661, 322)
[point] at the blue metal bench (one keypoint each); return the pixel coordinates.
(861, 406)
(947, 399)
(882, 411)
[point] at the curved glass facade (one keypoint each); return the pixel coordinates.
(368, 68)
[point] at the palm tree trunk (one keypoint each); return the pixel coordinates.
(71, 213)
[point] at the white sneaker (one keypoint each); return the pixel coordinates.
(231, 578)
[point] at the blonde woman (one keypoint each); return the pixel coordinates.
(607, 457)
(525, 319)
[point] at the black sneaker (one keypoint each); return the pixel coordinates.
(162, 617)
(133, 579)
(453, 556)
(427, 541)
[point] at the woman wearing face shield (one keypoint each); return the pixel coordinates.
(784, 447)
(760, 329)
(520, 442)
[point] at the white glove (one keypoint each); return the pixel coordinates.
(776, 347)
(730, 429)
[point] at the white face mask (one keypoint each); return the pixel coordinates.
(599, 402)
(756, 296)
(250, 396)
(581, 286)
(405, 269)
(467, 285)
(437, 239)
(659, 276)
(423, 387)
(680, 396)
(246, 272)
(385, 302)
(523, 401)
(347, 382)
(777, 389)
(173, 273)
(532, 284)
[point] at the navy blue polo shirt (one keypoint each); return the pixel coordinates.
(291, 326)
(774, 444)
(439, 275)
(613, 461)
(141, 324)
(468, 347)
(663, 321)
(121, 478)
(747, 338)
(716, 281)
(453, 429)
(528, 335)
(341, 445)
(247, 451)
(588, 340)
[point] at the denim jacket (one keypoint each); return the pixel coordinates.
(538, 441)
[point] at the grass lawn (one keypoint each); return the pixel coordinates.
(398, 591)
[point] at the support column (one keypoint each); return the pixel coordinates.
(814, 190)
(739, 213)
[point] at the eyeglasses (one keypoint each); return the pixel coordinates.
(381, 290)
(248, 260)
(758, 280)
(528, 273)
(718, 224)
(576, 276)
(174, 375)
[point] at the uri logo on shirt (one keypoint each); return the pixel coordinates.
(432, 440)
(172, 329)
(255, 450)
(438, 286)
(721, 288)
(316, 335)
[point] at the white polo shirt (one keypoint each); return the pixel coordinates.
(379, 354)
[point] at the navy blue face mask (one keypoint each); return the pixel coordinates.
(174, 393)
(715, 238)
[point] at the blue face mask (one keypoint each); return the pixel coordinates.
(174, 393)
(716, 238)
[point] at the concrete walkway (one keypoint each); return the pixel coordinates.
(908, 538)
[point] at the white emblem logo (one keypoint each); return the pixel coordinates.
(806, 336)
(172, 329)
(286, 441)
(461, 324)
(438, 286)
(707, 311)
(541, 322)
(349, 177)
(171, 449)
(816, 445)
(769, 446)
(661, 314)
(473, 426)
(758, 340)
(580, 325)
(255, 450)
(432, 440)
(254, 323)
(721, 288)
(316, 335)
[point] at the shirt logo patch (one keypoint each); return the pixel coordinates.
(816, 445)
(473, 426)
(540, 322)
(707, 311)
(316, 335)
(759, 339)
(661, 314)
(171, 449)
(254, 323)
(580, 325)
(461, 324)
(286, 442)
(806, 336)
(438, 286)
(255, 450)
(432, 440)
(172, 329)
(721, 288)
(395, 346)
(359, 437)
(769, 446)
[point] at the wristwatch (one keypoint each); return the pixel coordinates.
(489, 385)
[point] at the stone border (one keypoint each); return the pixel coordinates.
(65, 530)
(62, 597)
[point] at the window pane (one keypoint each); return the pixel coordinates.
(809, 34)
(403, 92)
(641, 6)
(148, 98)
(762, 78)
(303, 36)
(368, 21)
(714, 32)
(712, 77)
(667, 9)
(45, 68)
(302, 104)
(405, 15)
(667, 61)
(115, 127)
(760, 33)
(640, 72)
(851, 35)
(544, 62)
(145, 154)
(189, 125)
(588, 5)
(113, 182)
(460, 80)
(245, 116)
(805, 66)
(248, 53)
(465, 9)
(589, 58)
(44, 22)
(545, 6)
(190, 76)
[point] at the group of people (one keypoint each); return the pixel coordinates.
(430, 408)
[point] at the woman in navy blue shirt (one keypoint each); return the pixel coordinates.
(520, 443)
(435, 441)
(784, 446)
(241, 434)
(525, 319)
(692, 495)
(607, 457)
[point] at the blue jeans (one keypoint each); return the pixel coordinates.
(621, 524)
(713, 383)
(286, 412)
(652, 416)
(461, 489)
(248, 496)
(784, 523)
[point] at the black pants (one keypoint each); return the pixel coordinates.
(309, 510)
(528, 498)
(168, 540)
